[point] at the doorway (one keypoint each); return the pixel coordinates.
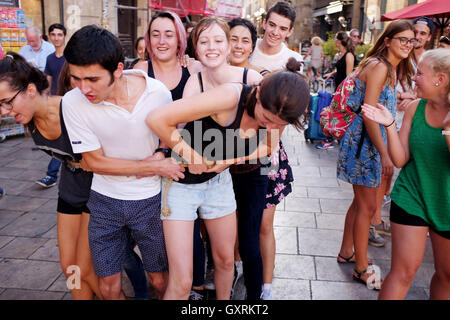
(127, 27)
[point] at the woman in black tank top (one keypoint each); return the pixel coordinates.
(44, 118)
(220, 107)
(243, 42)
(165, 40)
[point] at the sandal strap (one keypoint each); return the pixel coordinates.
(347, 259)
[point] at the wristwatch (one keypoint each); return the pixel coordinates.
(165, 151)
(446, 132)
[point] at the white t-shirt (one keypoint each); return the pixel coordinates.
(273, 62)
(119, 134)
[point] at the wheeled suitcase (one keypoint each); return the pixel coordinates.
(314, 131)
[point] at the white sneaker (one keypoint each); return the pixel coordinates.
(209, 279)
(266, 294)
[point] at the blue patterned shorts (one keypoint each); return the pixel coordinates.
(108, 226)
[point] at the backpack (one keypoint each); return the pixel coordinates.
(337, 117)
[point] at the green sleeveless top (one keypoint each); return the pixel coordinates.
(423, 185)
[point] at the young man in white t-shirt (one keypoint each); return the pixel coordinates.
(271, 53)
(105, 119)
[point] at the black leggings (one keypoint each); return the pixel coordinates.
(250, 192)
(400, 216)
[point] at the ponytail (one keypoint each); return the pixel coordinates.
(15, 70)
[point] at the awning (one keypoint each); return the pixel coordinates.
(430, 8)
(180, 7)
(220, 8)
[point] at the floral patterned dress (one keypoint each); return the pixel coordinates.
(279, 179)
(363, 168)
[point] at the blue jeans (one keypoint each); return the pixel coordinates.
(53, 168)
(135, 271)
(250, 191)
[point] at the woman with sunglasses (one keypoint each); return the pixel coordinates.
(363, 157)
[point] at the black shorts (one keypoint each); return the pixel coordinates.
(66, 208)
(400, 216)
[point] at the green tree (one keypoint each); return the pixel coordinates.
(329, 48)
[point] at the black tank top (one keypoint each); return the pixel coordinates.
(75, 183)
(233, 146)
(177, 92)
(341, 70)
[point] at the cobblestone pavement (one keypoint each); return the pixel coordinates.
(308, 229)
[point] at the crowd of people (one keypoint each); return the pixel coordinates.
(181, 148)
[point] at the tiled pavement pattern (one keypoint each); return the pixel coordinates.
(308, 228)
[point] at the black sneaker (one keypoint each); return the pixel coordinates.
(2, 193)
(197, 295)
(47, 182)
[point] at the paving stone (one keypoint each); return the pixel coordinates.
(11, 173)
(14, 187)
(49, 207)
(329, 290)
(318, 242)
(35, 190)
(30, 225)
(18, 294)
(294, 267)
(298, 191)
(289, 289)
(51, 234)
(21, 203)
(301, 204)
(31, 175)
(294, 219)
(48, 252)
(286, 240)
(335, 205)
(60, 284)
(329, 193)
(6, 217)
(330, 221)
(21, 248)
(5, 240)
(28, 164)
(28, 274)
(317, 182)
(328, 172)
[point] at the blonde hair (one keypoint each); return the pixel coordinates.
(316, 41)
(438, 60)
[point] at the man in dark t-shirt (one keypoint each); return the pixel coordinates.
(55, 61)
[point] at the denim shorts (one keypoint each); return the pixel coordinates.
(112, 219)
(213, 199)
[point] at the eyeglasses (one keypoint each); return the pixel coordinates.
(404, 41)
(445, 39)
(8, 105)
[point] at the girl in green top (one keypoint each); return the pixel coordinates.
(421, 195)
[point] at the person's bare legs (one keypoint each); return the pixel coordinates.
(382, 190)
(408, 248)
(178, 237)
(69, 226)
(84, 259)
(365, 201)
(158, 281)
(268, 244)
(111, 287)
(440, 282)
(222, 234)
(347, 245)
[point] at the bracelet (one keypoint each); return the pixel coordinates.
(393, 121)
(446, 132)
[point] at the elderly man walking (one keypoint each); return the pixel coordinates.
(37, 50)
